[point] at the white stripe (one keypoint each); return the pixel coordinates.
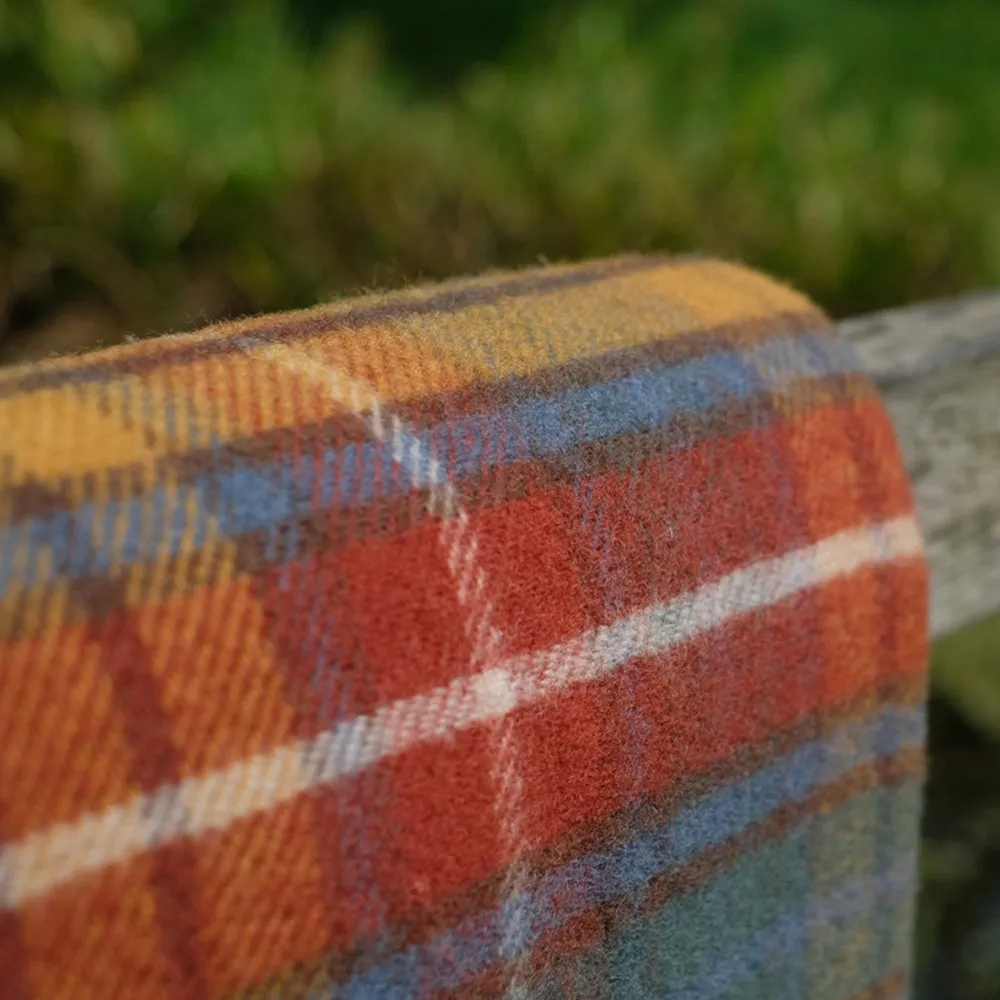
(42, 861)
(461, 548)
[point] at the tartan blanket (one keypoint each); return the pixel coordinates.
(550, 634)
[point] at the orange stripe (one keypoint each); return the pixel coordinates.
(99, 939)
(64, 748)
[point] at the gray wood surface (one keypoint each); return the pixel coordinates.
(938, 366)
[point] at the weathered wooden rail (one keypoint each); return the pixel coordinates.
(938, 367)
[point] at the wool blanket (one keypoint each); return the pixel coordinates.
(556, 634)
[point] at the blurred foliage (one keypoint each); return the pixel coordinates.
(164, 163)
(958, 933)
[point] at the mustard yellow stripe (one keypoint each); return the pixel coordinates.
(58, 436)
(72, 430)
(417, 355)
(326, 316)
(131, 421)
(45, 608)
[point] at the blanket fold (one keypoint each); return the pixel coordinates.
(549, 634)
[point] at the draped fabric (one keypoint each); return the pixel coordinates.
(557, 634)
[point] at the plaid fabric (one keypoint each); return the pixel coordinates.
(547, 635)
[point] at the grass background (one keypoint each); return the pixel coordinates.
(164, 163)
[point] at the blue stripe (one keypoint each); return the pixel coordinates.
(792, 933)
(245, 496)
(455, 955)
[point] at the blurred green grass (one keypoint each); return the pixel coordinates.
(164, 163)
(958, 931)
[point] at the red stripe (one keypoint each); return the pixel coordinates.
(156, 762)
(14, 983)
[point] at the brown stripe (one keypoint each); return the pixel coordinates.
(13, 959)
(587, 935)
(903, 691)
(309, 439)
(156, 762)
(616, 829)
(25, 500)
(493, 486)
(342, 429)
(32, 498)
(320, 532)
(885, 772)
(494, 395)
(337, 317)
(14, 984)
(690, 877)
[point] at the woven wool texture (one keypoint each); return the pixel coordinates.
(555, 634)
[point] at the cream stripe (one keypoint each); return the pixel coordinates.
(460, 545)
(45, 860)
